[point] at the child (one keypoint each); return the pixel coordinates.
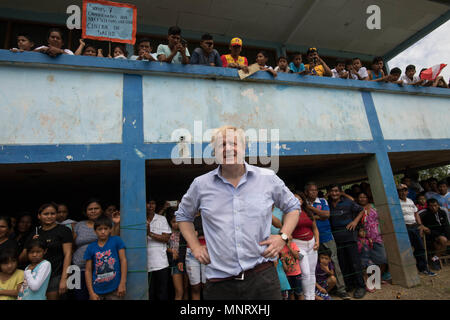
(351, 71)
(88, 50)
(176, 266)
(261, 60)
(24, 43)
(296, 65)
(55, 44)
(11, 278)
(37, 273)
(316, 66)
(339, 71)
(284, 283)
(325, 278)
(282, 65)
(377, 73)
(409, 76)
(421, 202)
(365, 245)
(290, 258)
(61, 216)
(359, 70)
(144, 51)
(394, 76)
(106, 263)
(119, 52)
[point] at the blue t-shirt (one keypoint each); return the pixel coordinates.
(105, 264)
(323, 225)
(279, 214)
(294, 69)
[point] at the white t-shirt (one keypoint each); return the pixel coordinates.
(165, 50)
(335, 74)
(156, 251)
(67, 51)
(408, 209)
(277, 69)
(363, 72)
(152, 54)
(407, 80)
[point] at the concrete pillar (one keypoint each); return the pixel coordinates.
(402, 263)
(132, 189)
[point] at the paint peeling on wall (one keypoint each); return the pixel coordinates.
(70, 107)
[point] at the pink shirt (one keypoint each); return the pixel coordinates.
(292, 263)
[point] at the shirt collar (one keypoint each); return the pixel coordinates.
(248, 168)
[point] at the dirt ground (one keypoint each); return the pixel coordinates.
(431, 288)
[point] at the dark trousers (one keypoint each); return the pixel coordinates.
(261, 285)
(82, 293)
(419, 249)
(158, 284)
(350, 263)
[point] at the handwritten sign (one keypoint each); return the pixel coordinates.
(109, 21)
(253, 68)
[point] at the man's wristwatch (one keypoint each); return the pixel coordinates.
(284, 236)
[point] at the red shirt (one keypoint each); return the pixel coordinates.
(303, 230)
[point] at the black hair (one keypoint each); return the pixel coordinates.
(377, 59)
(143, 40)
(340, 61)
(121, 47)
(396, 71)
(92, 200)
(21, 215)
(309, 183)
(87, 46)
(432, 179)
(32, 243)
(402, 180)
(206, 36)
(46, 205)
(170, 214)
(264, 53)
(7, 220)
(432, 200)
(410, 67)
(356, 58)
(7, 255)
(324, 251)
(296, 54)
(26, 35)
(174, 30)
(442, 182)
(55, 30)
(334, 185)
(348, 62)
(103, 221)
(281, 57)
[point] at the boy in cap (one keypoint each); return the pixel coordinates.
(234, 60)
(316, 66)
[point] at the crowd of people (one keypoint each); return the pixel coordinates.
(337, 237)
(176, 51)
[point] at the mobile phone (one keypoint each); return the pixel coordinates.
(183, 42)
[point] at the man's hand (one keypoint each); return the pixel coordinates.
(62, 286)
(93, 296)
(121, 290)
(351, 226)
(244, 68)
(201, 254)
(275, 244)
(116, 217)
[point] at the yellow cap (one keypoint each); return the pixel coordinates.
(236, 42)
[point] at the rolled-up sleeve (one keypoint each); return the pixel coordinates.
(189, 204)
(283, 198)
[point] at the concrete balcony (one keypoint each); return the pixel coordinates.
(78, 109)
